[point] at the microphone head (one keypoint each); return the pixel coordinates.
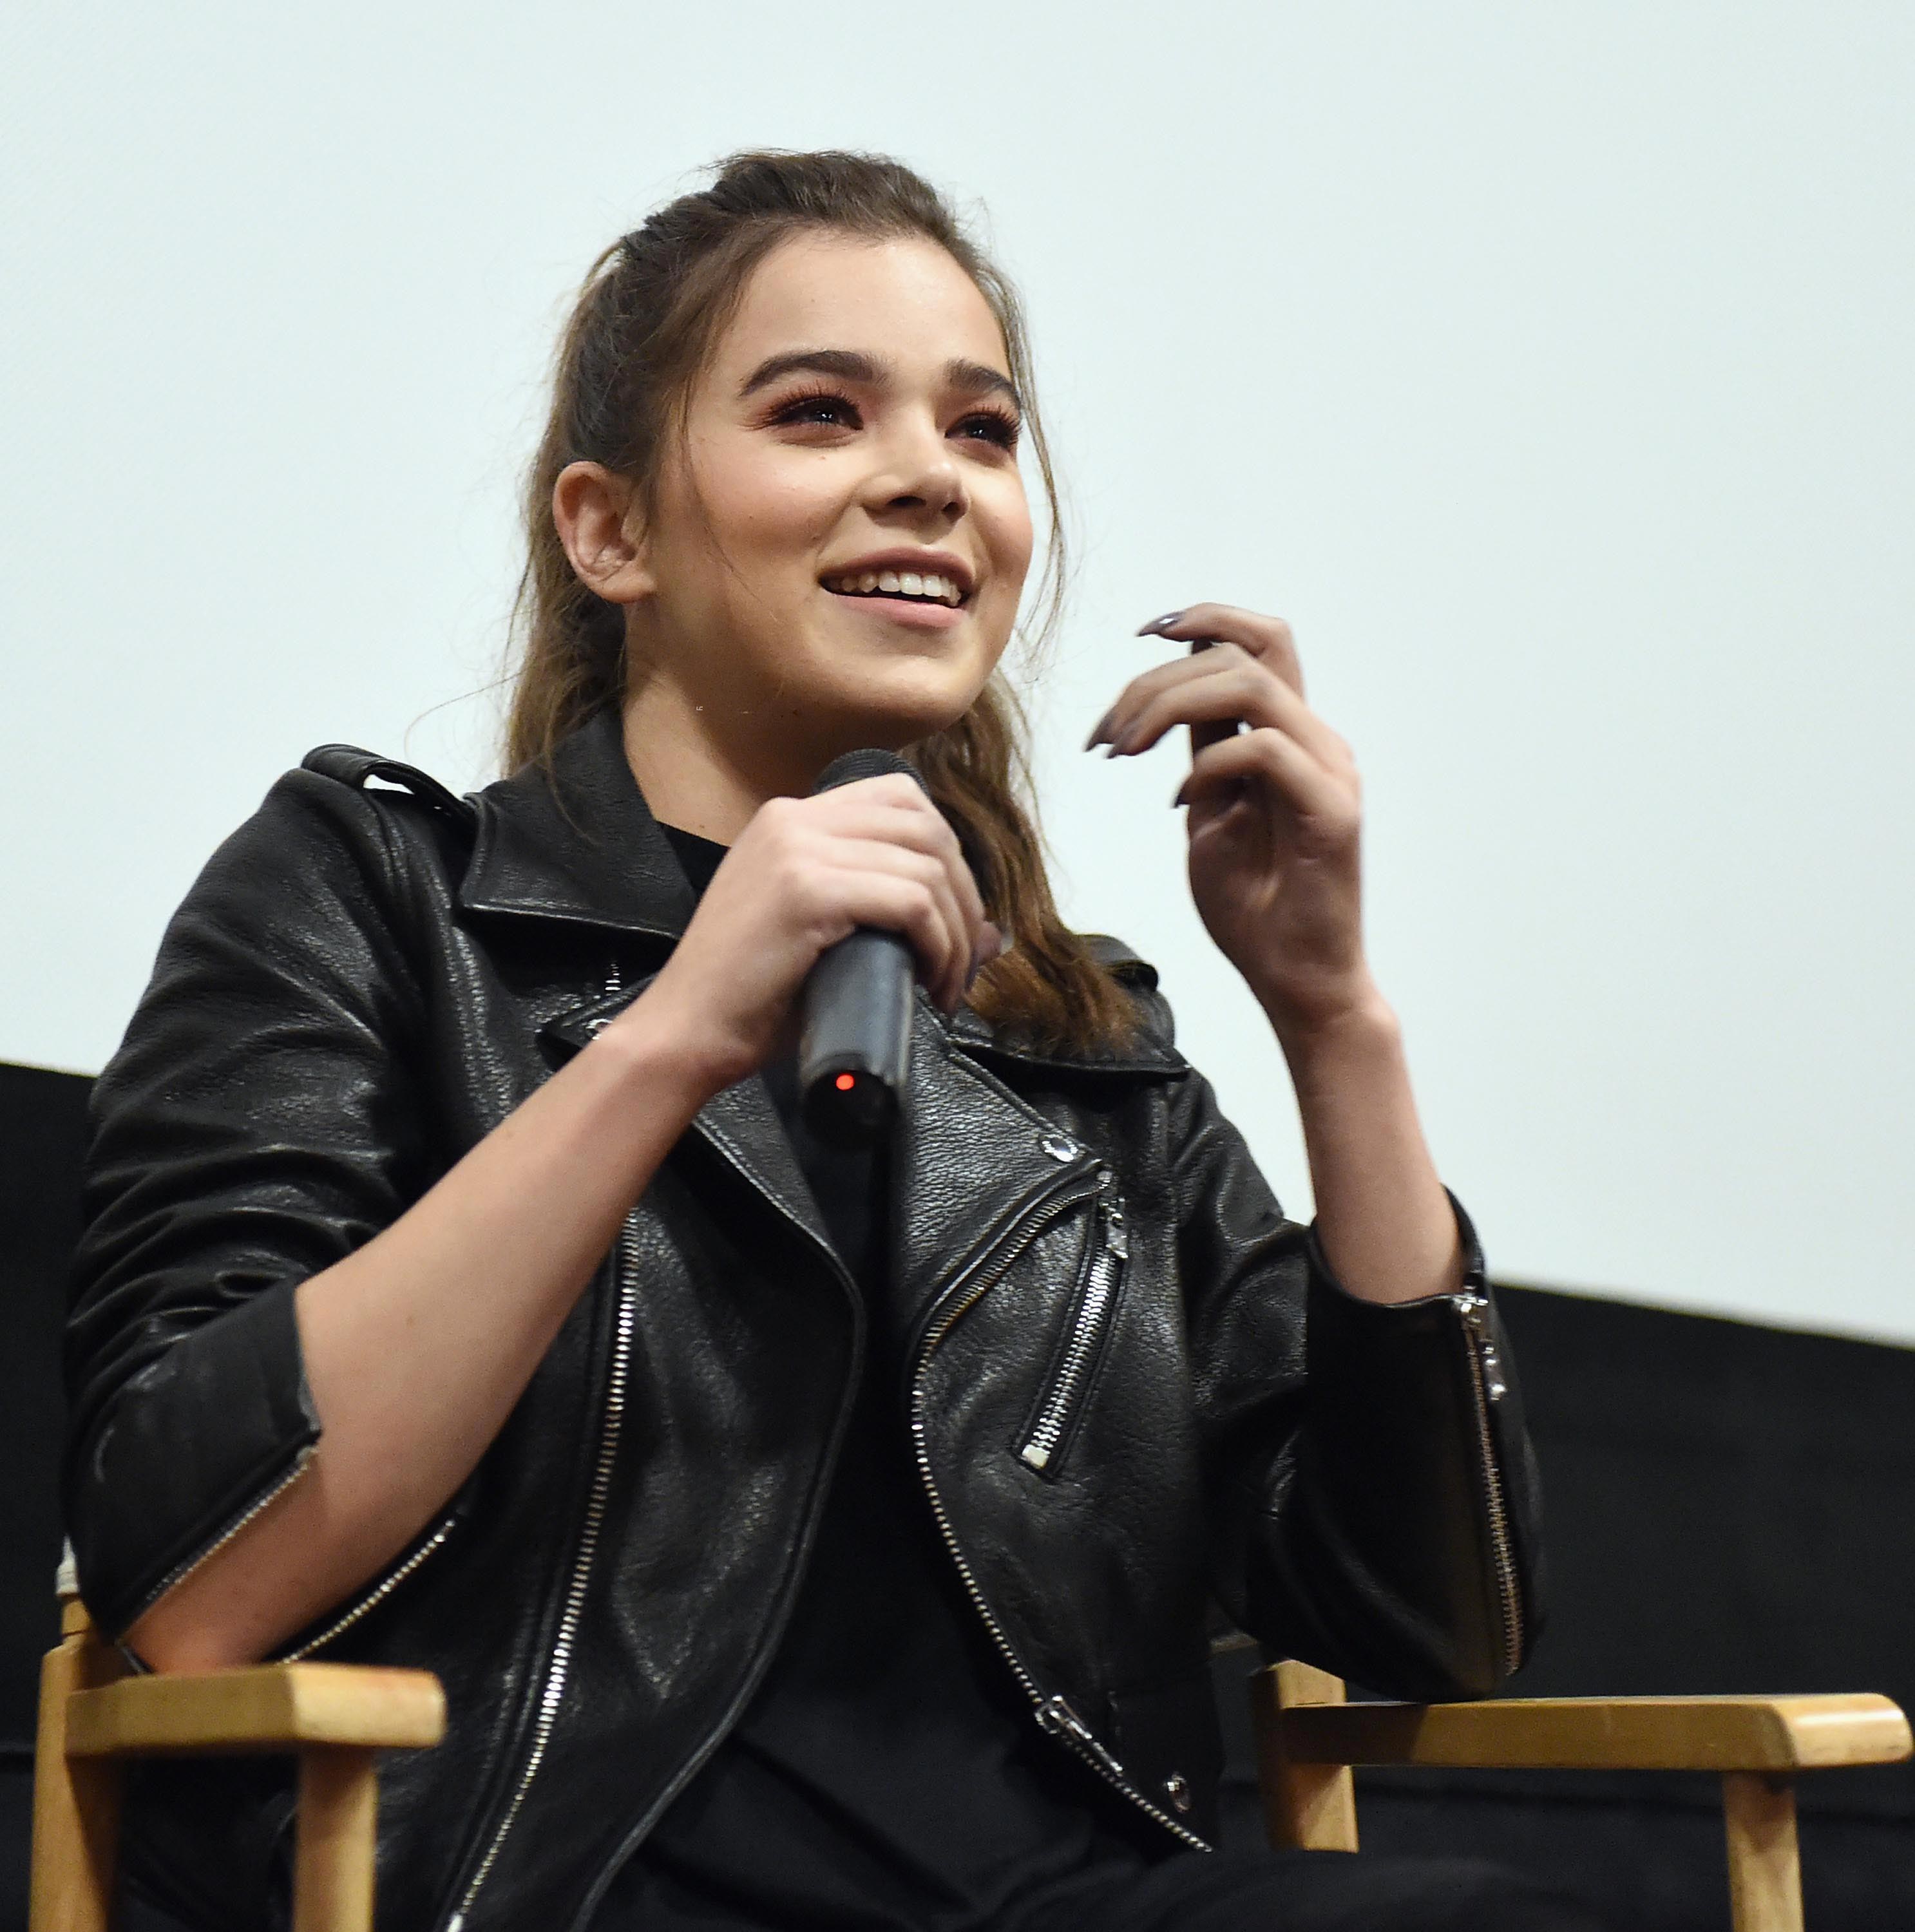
(870, 763)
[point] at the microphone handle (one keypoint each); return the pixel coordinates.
(854, 1047)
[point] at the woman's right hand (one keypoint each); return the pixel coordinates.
(805, 874)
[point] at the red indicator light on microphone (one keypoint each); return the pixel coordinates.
(845, 1082)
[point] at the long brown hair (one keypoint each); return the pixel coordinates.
(650, 309)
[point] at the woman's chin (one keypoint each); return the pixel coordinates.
(897, 703)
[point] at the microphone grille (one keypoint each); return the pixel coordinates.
(870, 763)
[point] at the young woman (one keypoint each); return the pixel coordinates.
(804, 1537)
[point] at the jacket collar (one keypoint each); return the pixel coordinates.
(579, 844)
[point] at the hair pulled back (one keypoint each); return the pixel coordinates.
(651, 308)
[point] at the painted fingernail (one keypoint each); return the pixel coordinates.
(1182, 796)
(993, 943)
(1124, 741)
(1162, 623)
(1100, 733)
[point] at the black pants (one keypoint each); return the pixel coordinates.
(1314, 1891)
(1262, 1891)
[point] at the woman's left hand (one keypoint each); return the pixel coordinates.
(1275, 811)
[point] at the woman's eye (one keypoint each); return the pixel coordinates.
(990, 426)
(829, 412)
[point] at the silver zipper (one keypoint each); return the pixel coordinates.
(301, 1464)
(431, 1547)
(1487, 1386)
(559, 1666)
(1054, 1716)
(1080, 1351)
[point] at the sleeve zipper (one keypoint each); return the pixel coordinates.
(1487, 1386)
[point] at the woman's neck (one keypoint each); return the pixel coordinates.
(706, 763)
(690, 775)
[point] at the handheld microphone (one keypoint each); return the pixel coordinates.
(854, 1044)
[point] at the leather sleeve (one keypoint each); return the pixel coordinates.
(1373, 1490)
(260, 1121)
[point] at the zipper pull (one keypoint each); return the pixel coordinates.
(1117, 1239)
(1474, 1310)
(1110, 1203)
(1058, 1719)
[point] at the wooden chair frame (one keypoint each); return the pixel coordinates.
(1308, 1737)
(94, 1717)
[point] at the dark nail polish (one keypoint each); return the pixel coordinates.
(1182, 796)
(1100, 733)
(1162, 623)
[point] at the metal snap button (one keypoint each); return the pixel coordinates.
(1059, 1147)
(1177, 1788)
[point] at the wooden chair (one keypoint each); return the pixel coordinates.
(1308, 1737)
(94, 1715)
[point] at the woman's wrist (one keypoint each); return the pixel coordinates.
(1353, 1024)
(658, 1057)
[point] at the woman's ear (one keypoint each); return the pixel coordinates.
(597, 515)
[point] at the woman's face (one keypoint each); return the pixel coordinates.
(836, 555)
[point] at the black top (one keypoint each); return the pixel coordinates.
(888, 1775)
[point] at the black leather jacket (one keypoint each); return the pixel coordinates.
(1132, 1387)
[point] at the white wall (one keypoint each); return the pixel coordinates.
(1548, 367)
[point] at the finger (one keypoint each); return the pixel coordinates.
(890, 902)
(1149, 684)
(1213, 694)
(1204, 735)
(1271, 759)
(947, 941)
(900, 814)
(1267, 639)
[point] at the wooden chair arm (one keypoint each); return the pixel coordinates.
(1777, 1735)
(273, 1707)
(332, 1717)
(1308, 1737)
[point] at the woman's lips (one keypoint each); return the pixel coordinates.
(914, 614)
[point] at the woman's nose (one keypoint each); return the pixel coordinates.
(923, 479)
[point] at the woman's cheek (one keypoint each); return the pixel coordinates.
(1012, 536)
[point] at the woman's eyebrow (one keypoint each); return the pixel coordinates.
(849, 365)
(979, 379)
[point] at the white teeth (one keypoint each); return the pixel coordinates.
(898, 583)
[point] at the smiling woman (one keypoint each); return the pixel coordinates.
(805, 1536)
(875, 320)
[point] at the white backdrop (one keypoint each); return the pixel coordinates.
(1549, 368)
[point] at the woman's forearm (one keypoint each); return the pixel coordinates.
(417, 1345)
(1383, 1219)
